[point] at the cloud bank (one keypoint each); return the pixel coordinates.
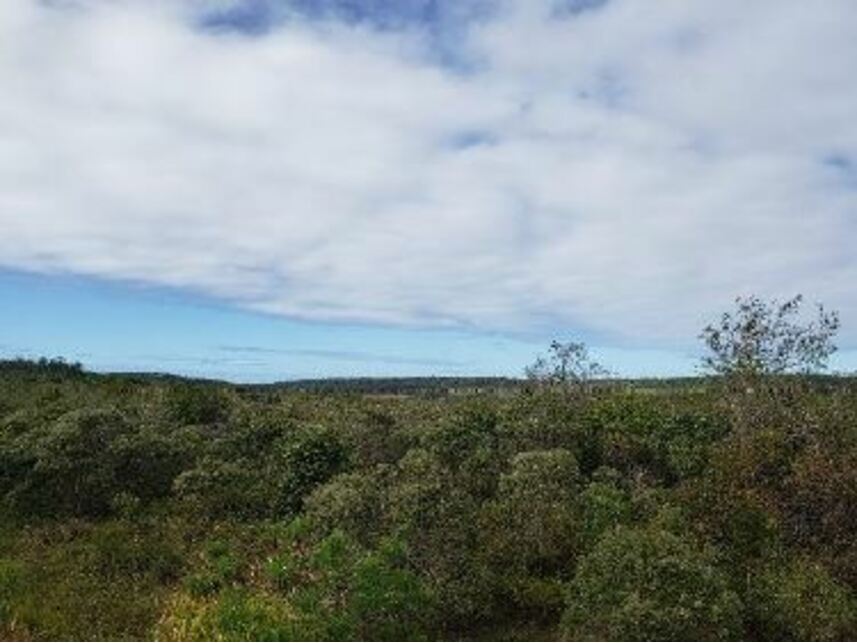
(620, 168)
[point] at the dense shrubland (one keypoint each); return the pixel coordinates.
(567, 508)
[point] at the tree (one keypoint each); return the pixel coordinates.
(566, 364)
(769, 338)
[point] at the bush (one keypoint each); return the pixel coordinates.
(350, 502)
(196, 404)
(801, 601)
(304, 463)
(83, 462)
(532, 525)
(820, 501)
(339, 591)
(436, 520)
(218, 489)
(72, 469)
(650, 584)
(602, 506)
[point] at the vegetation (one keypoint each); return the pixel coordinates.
(151, 507)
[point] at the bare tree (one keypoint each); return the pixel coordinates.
(566, 364)
(769, 338)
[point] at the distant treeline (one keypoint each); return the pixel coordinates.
(53, 367)
(400, 385)
(58, 368)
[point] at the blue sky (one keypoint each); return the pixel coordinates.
(261, 189)
(122, 327)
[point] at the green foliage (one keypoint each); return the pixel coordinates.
(196, 404)
(134, 506)
(650, 584)
(340, 591)
(216, 570)
(603, 506)
(801, 601)
(218, 488)
(436, 519)
(351, 502)
(306, 462)
(72, 472)
(10, 586)
(532, 525)
(82, 462)
(819, 502)
(83, 582)
(235, 616)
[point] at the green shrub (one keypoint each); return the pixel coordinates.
(351, 502)
(820, 501)
(219, 489)
(339, 591)
(436, 519)
(602, 506)
(73, 471)
(196, 404)
(650, 584)
(801, 601)
(532, 525)
(305, 462)
(80, 582)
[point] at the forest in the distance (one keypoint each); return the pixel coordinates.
(566, 505)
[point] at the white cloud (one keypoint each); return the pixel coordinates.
(625, 170)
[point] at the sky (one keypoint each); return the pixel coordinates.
(260, 190)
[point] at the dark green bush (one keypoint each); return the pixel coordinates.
(196, 404)
(73, 471)
(650, 584)
(305, 462)
(532, 526)
(219, 489)
(351, 502)
(801, 601)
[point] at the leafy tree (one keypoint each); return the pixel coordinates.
(768, 338)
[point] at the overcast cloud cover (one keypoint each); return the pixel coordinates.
(621, 168)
